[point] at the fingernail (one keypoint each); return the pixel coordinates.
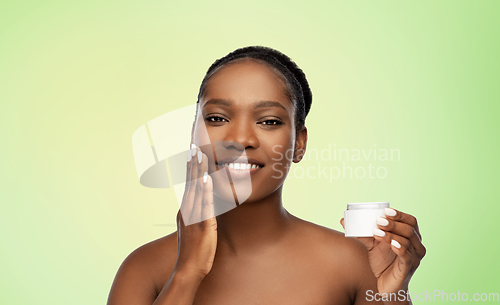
(378, 232)
(193, 151)
(200, 157)
(193, 146)
(189, 155)
(395, 244)
(390, 212)
(382, 221)
(205, 177)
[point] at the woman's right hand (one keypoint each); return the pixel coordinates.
(196, 222)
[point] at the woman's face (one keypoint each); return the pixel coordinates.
(245, 111)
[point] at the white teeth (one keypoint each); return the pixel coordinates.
(240, 166)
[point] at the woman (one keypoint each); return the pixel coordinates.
(252, 109)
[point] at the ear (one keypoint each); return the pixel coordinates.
(300, 145)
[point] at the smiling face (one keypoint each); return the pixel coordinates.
(247, 110)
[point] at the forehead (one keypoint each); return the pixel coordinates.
(247, 81)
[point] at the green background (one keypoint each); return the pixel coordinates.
(78, 78)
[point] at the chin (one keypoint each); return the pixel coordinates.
(224, 197)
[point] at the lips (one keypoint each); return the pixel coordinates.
(237, 162)
(240, 166)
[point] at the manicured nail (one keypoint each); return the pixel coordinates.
(390, 212)
(205, 177)
(395, 244)
(193, 151)
(200, 157)
(382, 221)
(378, 232)
(189, 155)
(193, 146)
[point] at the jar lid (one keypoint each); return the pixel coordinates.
(367, 205)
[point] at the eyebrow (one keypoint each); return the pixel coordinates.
(261, 104)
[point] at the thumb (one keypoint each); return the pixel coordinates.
(342, 222)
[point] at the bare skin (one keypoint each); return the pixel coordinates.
(258, 253)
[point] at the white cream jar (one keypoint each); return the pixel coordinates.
(361, 218)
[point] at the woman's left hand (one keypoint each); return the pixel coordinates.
(395, 251)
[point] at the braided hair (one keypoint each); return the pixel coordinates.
(298, 90)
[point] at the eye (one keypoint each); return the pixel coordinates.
(271, 122)
(215, 119)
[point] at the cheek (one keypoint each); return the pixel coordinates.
(200, 134)
(279, 147)
(280, 154)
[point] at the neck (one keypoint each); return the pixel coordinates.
(252, 225)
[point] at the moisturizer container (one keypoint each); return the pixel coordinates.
(361, 218)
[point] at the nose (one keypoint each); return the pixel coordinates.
(241, 135)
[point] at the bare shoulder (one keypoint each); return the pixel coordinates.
(342, 261)
(329, 239)
(143, 270)
(346, 255)
(159, 248)
(157, 259)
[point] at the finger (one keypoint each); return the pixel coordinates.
(400, 246)
(189, 155)
(342, 222)
(404, 263)
(187, 200)
(398, 231)
(201, 160)
(192, 183)
(387, 237)
(194, 165)
(179, 219)
(207, 203)
(402, 229)
(416, 258)
(399, 216)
